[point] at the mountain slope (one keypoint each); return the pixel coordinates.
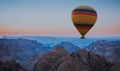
(11, 66)
(59, 59)
(48, 59)
(109, 49)
(24, 51)
(68, 46)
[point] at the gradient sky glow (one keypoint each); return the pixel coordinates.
(53, 17)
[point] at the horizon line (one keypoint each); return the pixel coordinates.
(74, 36)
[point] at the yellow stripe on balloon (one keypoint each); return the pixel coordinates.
(82, 18)
(84, 7)
(83, 31)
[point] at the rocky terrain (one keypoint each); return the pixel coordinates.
(58, 59)
(108, 49)
(101, 55)
(68, 46)
(23, 51)
(11, 66)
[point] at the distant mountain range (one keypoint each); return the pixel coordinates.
(68, 46)
(46, 40)
(55, 40)
(27, 51)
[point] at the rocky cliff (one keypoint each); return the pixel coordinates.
(24, 51)
(108, 49)
(58, 59)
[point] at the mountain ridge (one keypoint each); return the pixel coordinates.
(109, 49)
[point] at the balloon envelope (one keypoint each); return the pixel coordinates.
(84, 17)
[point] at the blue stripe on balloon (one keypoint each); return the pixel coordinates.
(83, 10)
(80, 24)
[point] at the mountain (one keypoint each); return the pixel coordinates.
(109, 49)
(48, 59)
(68, 46)
(11, 66)
(46, 40)
(58, 59)
(51, 41)
(116, 67)
(24, 51)
(93, 61)
(19, 49)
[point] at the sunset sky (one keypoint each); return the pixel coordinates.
(53, 17)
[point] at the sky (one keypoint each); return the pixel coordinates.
(53, 17)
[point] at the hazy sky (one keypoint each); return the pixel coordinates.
(53, 17)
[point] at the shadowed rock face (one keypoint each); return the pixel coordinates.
(93, 61)
(115, 67)
(59, 59)
(46, 62)
(11, 66)
(59, 62)
(72, 65)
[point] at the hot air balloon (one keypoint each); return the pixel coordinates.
(83, 18)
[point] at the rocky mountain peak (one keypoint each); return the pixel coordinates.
(68, 46)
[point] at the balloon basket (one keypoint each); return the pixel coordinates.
(82, 37)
